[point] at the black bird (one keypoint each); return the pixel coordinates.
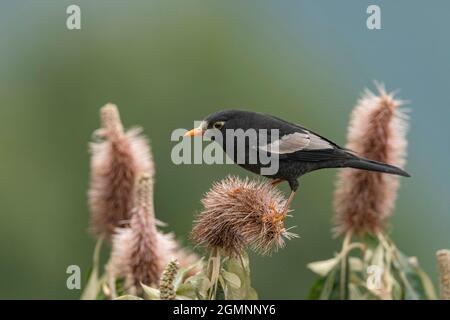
(298, 149)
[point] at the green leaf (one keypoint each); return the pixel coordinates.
(93, 285)
(187, 290)
(330, 289)
(344, 279)
(183, 271)
(397, 292)
(358, 288)
(316, 289)
(206, 284)
(200, 283)
(231, 278)
(378, 256)
(221, 289)
(151, 293)
(231, 292)
(239, 267)
(251, 294)
(329, 286)
(355, 292)
(235, 266)
(322, 268)
(120, 287)
(416, 283)
(427, 284)
(370, 241)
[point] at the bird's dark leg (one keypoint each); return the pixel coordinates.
(288, 203)
(294, 186)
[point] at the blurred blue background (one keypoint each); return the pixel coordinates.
(168, 63)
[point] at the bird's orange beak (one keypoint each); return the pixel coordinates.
(194, 132)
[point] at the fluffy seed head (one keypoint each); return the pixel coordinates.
(137, 253)
(364, 200)
(241, 213)
(140, 252)
(117, 158)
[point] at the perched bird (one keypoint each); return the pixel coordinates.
(298, 150)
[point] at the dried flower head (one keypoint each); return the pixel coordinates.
(140, 252)
(443, 258)
(241, 213)
(116, 161)
(364, 200)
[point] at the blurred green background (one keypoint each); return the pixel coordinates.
(168, 63)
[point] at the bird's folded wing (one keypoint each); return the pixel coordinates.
(318, 155)
(297, 141)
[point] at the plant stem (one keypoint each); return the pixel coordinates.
(213, 272)
(343, 277)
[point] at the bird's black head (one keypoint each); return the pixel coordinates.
(221, 120)
(225, 119)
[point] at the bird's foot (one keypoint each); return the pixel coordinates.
(274, 217)
(279, 217)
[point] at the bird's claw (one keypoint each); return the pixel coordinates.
(275, 216)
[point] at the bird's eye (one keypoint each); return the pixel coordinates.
(218, 125)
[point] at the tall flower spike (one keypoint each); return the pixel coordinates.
(239, 214)
(166, 288)
(116, 161)
(364, 200)
(443, 258)
(137, 254)
(140, 252)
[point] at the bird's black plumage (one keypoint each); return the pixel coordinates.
(299, 150)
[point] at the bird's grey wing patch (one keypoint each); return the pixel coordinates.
(317, 143)
(288, 143)
(297, 141)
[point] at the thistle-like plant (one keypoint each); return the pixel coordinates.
(363, 203)
(118, 157)
(122, 209)
(364, 200)
(237, 214)
(140, 252)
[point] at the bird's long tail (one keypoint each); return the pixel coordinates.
(371, 165)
